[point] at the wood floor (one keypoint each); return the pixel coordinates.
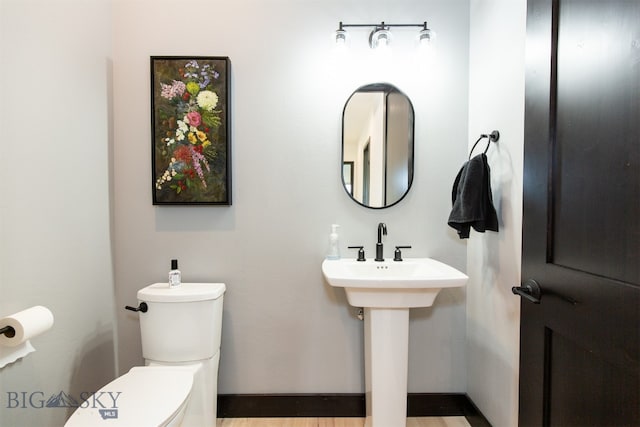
(336, 422)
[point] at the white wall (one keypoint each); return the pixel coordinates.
(496, 101)
(284, 329)
(54, 211)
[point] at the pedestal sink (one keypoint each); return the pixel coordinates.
(387, 290)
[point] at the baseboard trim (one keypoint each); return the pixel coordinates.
(290, 405)
(343, 405)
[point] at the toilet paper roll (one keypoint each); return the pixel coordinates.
(27, 324)
(11, 354)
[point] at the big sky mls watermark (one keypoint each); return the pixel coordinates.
(105, 402)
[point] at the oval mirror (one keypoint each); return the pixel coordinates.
(377, 145)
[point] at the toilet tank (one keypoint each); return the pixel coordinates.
(183, 323)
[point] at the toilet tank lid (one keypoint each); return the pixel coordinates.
(186, 292)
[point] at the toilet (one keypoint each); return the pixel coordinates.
(178, 386)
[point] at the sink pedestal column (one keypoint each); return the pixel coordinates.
(386, 351)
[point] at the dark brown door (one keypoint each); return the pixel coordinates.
(580, 345)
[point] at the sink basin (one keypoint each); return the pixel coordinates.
(413, 282)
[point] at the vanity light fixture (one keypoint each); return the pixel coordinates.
(341, 36)
(424, 36)
(380, 35)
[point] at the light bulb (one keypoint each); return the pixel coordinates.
(425, 37)
(379, 38)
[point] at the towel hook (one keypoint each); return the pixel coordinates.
(493, 137)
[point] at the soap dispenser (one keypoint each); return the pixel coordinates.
(334, 247)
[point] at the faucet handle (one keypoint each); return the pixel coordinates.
(360, 252)
(397, 255)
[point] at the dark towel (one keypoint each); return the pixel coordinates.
(472, 200)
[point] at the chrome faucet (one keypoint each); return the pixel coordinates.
(382, 230)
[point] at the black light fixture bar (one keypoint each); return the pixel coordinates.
(382, 25)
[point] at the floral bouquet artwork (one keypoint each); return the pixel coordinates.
(190, 122)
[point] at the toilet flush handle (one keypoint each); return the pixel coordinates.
(143, 307)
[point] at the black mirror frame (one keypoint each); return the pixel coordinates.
(386, 88)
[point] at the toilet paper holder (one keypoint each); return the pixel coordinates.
(8, 332)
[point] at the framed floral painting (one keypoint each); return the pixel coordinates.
(191, 162)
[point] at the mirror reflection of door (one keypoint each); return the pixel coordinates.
(397, 149)
(366, 174)
(378, 123)
(347, 174)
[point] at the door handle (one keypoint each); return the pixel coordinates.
(529, 290)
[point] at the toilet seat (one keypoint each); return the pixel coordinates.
(149, 396)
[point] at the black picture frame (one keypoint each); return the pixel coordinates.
(190, 130)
